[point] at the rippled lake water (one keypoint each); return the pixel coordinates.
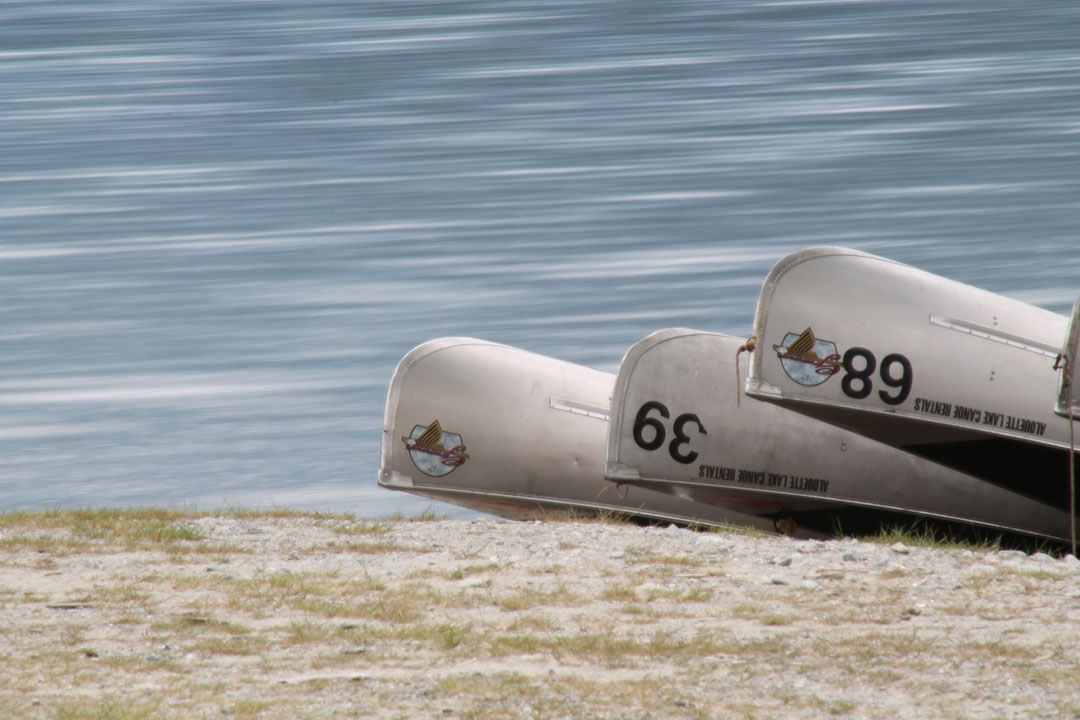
(223, 222)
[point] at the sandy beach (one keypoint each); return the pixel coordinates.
(158, 614)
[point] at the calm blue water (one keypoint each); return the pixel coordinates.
(223, 222)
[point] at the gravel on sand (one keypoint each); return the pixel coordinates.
(325, 616)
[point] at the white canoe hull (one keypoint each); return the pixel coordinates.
(940, 369)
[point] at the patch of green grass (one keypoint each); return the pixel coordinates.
(920, 534)
(62, 532)
(580, 516)
(469, 570)
(510, 695)
(640, 557)
(377, 527)
(240, 645)
(428, 515)
(832, 707)
(900, 648)
(620, 594)
(549, 570)
(275, 590)
(42, 543)
(192, 624)
(540, 623)
(679, 595)
(608, 646)
(307, 632)
(380, 546)
(1032, 573)
(280, 513)
(696, 594)
(638, 613)
(998, 651)
(248, 708)
(527, 599)
(67, 531)
(407, 604)
(153, 526)
(107, 708)
(440, 636)
(123, 594)
(517, 643)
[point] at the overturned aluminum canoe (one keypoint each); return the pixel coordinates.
(939, 369)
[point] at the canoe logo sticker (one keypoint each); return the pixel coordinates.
(806, 359)
(434, 451)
